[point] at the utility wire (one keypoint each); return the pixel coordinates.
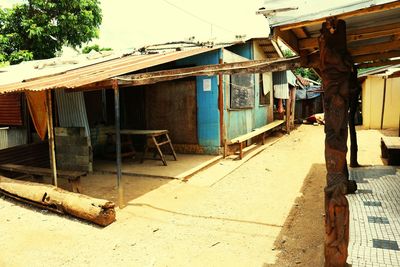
(197, 17)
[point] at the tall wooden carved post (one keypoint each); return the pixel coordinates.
(336, 67)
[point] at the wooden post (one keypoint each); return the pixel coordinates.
(292, 105)
(50, 134)
(120, 187)
(221, 106)
(336, 67)
(383, 101)
(355, 90)
(287, 107)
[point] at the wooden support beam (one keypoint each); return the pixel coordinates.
(374, 48)
(287, 37)
(121, 203)
(361, 34)
(256, 66)
(300, 33)
(374, 32)
(376, 56)
(355, 13)
(50, 134)
(221, 107)
(378, 64)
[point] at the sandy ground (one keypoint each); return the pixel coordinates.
(238, 220)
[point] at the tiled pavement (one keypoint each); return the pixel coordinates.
(375, 217)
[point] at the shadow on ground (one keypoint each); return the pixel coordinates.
(301, 240)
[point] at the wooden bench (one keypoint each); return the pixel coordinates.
(73, 177)
(241, 140)
(390, 148)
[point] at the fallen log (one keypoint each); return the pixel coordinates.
(96, 210)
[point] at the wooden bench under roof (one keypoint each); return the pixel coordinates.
(241, 140)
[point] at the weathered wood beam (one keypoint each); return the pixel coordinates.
(355, 13)
(300, 33)
(287, 37)
(376, 56)
(256, 66)
(362, 34)
(378, 64)
(99, 211)
(374, 48)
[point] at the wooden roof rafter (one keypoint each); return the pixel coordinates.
(344, 16)
(373, 35)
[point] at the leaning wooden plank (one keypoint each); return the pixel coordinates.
(99, 211)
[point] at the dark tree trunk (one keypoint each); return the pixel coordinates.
(336, 67)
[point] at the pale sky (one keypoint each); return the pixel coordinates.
(133, 24)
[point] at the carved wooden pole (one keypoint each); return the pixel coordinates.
(336, 67)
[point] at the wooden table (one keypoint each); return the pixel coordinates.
(158, 138)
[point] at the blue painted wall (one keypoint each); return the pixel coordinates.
(242, 121)
(207, 103)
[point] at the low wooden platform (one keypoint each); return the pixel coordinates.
(390, 149)
(73, 177)
(240, 141)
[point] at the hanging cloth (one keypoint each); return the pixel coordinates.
(37, 109)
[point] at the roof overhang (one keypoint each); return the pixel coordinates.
(373, 32)
(95, 74)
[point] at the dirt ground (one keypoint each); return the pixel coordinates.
(267, 212)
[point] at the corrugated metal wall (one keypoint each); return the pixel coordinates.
(72, 110)
(3, 137)
(10, 110)
(207, 103)
(10, 137)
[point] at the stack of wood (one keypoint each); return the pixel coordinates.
(98, 211)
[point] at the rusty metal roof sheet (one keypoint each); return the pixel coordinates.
(91, 73)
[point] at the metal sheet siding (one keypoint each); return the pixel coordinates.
(12, 137)
(3, 137)
(207, 103)
(17, 137)
(10, 110)
(72, 110)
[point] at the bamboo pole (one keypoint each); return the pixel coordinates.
(50, 134)
(118, 145)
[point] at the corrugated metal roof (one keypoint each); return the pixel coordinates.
(91, 73)
(10, 110)
(309, 10)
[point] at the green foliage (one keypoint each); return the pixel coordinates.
(42, 27)
(287, 53)
(303, 72)
(17, 57)
(307, 73)
(96, 47)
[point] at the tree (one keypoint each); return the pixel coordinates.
(42, 27)
(303, 72)
(95, 47)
